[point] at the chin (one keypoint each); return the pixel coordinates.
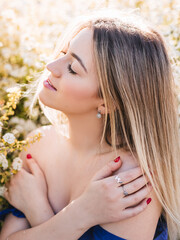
(46, 100)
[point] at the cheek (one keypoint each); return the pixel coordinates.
(79, 90)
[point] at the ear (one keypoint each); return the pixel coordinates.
(101, 107)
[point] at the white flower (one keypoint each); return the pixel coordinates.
(29, 125)
(17, 163)
(6, 52)
(2, 190)
(9, 138)
(13, 89)
(8, 67)
(3, 161)
(19, 128)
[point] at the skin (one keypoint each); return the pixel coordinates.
(66, 175)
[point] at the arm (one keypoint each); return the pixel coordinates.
(97, 204)
(68, 224)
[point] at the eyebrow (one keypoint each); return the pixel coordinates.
(79, 60)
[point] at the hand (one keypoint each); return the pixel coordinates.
(27, 190)
(104, 201)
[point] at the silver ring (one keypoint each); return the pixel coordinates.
(124, 191)
(118, 179)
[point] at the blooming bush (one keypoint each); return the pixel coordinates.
(29, 31)
(10, 163)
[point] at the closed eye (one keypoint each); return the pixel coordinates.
(69, 65)
(70, 69)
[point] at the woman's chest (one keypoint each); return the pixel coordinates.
(56, 175)
(66, 180)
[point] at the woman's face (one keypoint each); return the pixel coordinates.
(74, 78)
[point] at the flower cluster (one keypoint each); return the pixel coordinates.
(10, 146)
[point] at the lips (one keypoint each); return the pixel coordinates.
(48, 84)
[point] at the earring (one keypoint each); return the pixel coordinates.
(98, 115)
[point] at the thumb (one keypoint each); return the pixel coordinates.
(108, 169)
(33, 166)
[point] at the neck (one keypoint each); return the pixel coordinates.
(85, 132)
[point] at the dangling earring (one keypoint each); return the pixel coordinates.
(98, 115)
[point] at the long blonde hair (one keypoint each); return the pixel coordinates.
(137, 86)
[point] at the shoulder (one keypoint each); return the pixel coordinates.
(139, 227)
(39, 149)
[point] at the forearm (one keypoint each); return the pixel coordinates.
(69, 224)
(40, 213)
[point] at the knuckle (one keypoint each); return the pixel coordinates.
(105, 185)
(110, 198)
(135, 199)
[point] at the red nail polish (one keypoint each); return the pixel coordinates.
(28, 156)
(117, 159)
(148, 201)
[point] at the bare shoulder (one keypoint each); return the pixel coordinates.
(40, 148)
(143, 224)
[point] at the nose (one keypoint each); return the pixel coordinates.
(54, 68)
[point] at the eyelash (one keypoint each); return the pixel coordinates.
(70, 70)
(69, 66)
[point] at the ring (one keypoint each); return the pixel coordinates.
(118, 179)
(124, 191)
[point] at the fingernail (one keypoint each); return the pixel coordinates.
(28, 156)
(148, 201)
(117, 159)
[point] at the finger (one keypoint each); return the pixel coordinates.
(6, 194)
(128, 176)
(135, 198)
(136, 185)
(133, 211)
(33, 166)
(108, 169)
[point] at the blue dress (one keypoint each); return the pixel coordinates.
(97, 232)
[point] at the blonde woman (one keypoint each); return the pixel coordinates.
(112, 80)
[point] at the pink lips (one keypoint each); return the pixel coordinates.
(49, 85)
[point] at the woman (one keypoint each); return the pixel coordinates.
(112, 80)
